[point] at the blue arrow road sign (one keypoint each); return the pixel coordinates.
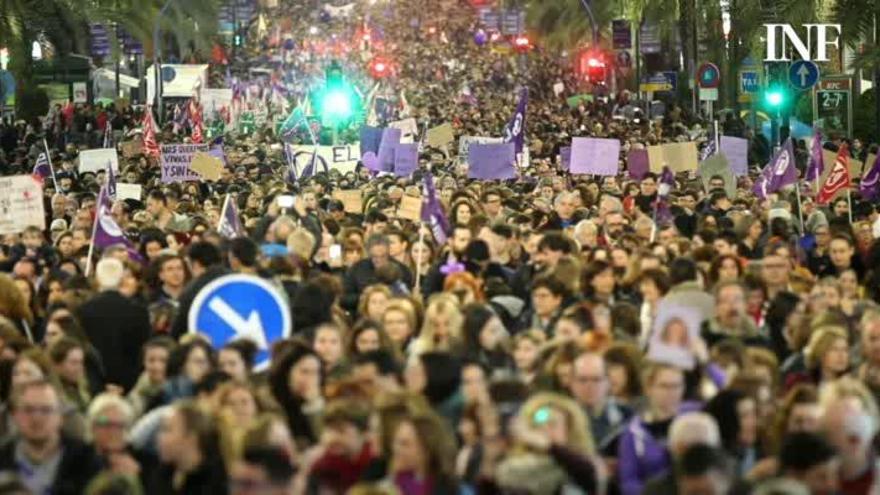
(749, 81)
(241, 306)
(803, 74)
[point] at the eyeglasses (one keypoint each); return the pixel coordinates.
(30, 410)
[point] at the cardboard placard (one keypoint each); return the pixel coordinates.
(133, 148)
(351, 199)
(128, 191)
(440, 136)
(21, 204)
(410, 208)
(97, 159)
(717, 165)
(679, 157)
(209, 167)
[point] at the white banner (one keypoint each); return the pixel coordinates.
(408, 127)
(128, 191)
(213, 100)
(21, 204)
(94, 160)
(343, 158)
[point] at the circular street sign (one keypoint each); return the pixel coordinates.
(708, 76)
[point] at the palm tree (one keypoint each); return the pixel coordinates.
(862, 32)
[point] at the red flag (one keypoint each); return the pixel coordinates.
(837, 179)
(195, 116)
(151, 146)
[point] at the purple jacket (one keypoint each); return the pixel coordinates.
(640, 456)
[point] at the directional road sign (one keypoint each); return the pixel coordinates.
(241, 307)
(803, 74)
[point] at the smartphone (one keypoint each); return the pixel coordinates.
(285, 201)
(335, 251)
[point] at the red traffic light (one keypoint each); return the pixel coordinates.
(379, 68)
(522, 43)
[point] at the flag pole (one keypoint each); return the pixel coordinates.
(51, 167)
(418, 285)
(797, 191)
(94, 229)
(223, 211)
(849, 203)
(717, 137)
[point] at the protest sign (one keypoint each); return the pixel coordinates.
(207, 166)
(492, 161)
(675, 335)
(440, 136)
(213, 101)
(343, 157)
(576, 100)
(21, 204)
(176, 160)
(128, 191)
(390, 139)
(406, 159)
(371, 138)
(637, 163)
(408, 129)
(737, 152)
(594, 156)
(564, 157)
(94, 160)
(679, 157)
(351, 199)
(465, 142)
(717, 165)
(410, 208)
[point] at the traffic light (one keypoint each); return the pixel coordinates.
(236, 40)
(380, 68)
(337, 101)
(593, 67)
(522, 43)
(774, 97)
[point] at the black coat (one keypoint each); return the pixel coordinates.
(118, 328)
(209, 479)
(79, 464)
(363, 274)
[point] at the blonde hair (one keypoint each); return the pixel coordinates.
(441, 306)
(368, 292)
(301, 242)
(820, 342)
(849, 388)
(579, 437)
(12, 303)
(403, 306)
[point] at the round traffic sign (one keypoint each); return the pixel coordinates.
(708, 76)
(803, 74)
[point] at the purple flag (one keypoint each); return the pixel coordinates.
(817, 161)
(492, 161)
(516, 128)
(107, 232)
(406, 159)
(230, 223)
(42, 169)
(565, 157)
(432, 211)
(595, 156)
(371, 138)
(779, 173)
(869, 187)
(390, 139)
(217, 152)
(637, 163)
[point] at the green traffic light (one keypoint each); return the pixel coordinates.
(337, 103)
(775, 98)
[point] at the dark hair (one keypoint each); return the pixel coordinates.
(701, 459)
(723, 407)
(381, 358)
(273, 461)
(551, 283)
(778, 311)
(178, 357)
(245, 250)
(591, 271)
(204, 253)
(659, 277)
(502, 230)
(476, 316)
(60, 349)
(802, 450)
(443, 372)
(158, 195)
(210, 382)
(245, 348)
(682, 269)
(555, 241)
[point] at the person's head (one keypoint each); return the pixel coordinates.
(296, 375)
(422, 444)
(193, 360)
(483, 329)
(692, 428)
(704, 470)
(36, 411)
(172, 271)
(398, 244)
(238, 399)
(548, 292)
(328, 344)
(157, 203)
(374, 301)
(460, 238)
(203, 255)
(443, 322)
(725, 268)
(187, 437)
(551, 248)
(109, 273)
(589, 385)
(63, 326)
(849, 419)
(828, 350)
(526, 350)
(491, 202)
(400, 321)
(841, 250)
(236, 359)
(560, 419)
(682, 270)
(68, 357)
(378, 250)
(156, 353)
(262, 470)
(653, 284)
(730, 302)
(564, 205)
(648, 184)
(109, 417)
(346, 423)
(736, 414)
(775, 269)
(810, 459)
(870, 325)
(243, 253)
(664, 387)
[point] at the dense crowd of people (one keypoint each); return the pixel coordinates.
(519, 351)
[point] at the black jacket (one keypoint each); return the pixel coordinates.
(79, 464)
(209, 479)
(363, 274)
(181, 321)
(117, 327)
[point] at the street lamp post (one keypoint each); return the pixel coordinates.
(589, 10)
(157, 68)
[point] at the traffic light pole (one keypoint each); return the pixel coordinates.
(593, 26)
(157, 67)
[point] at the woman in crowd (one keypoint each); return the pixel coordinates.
(188, 445)
(296, 380)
